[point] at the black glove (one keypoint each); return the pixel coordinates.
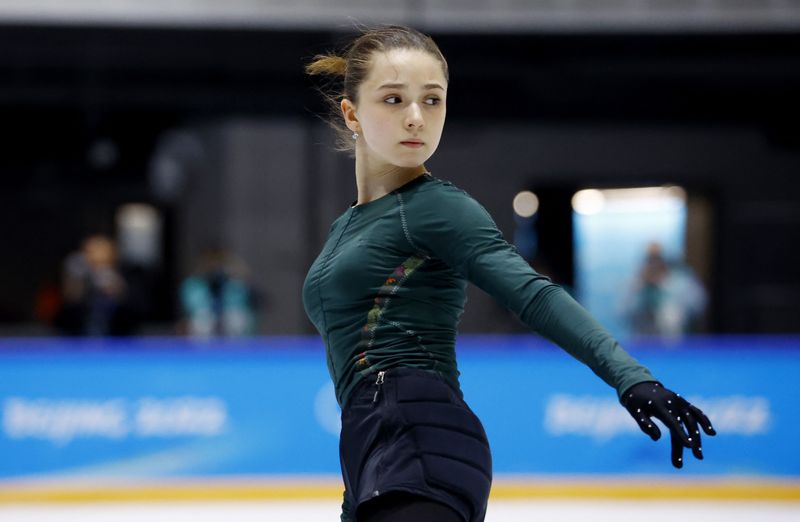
(650, 398)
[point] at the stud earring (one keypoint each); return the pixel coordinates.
(355, 135)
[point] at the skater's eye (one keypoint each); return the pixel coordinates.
(394, 100)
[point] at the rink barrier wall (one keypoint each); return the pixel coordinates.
(187, 416)
(502, 489)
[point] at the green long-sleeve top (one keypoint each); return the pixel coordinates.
(388, 289)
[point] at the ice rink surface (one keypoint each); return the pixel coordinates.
(321, 511)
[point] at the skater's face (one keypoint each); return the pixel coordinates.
(401, 108)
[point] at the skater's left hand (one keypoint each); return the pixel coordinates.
(652, 399)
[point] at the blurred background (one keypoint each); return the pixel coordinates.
(167, 181)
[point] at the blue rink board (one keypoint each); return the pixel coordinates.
(156, 408)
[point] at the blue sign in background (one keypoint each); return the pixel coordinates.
(156, 408)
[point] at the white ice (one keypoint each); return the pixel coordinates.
(321, 511)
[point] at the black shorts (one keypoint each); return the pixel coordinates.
(416, 435)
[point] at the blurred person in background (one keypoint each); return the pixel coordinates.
(388, 289)
(217, 300)
(94, 292)
(665, 299)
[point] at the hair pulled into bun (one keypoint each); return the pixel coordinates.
(327, 64)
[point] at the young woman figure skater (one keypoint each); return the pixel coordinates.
(388, 289)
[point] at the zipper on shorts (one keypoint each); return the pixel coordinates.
(378, 383)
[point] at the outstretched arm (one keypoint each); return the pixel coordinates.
(460, 232)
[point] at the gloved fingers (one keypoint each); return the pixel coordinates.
(702, 419)
(694, 434)
(645, 423)
(673, 420)
(649, 401)
(677, 449)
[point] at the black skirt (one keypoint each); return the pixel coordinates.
(408, 429)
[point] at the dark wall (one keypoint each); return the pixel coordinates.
(715, 113)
